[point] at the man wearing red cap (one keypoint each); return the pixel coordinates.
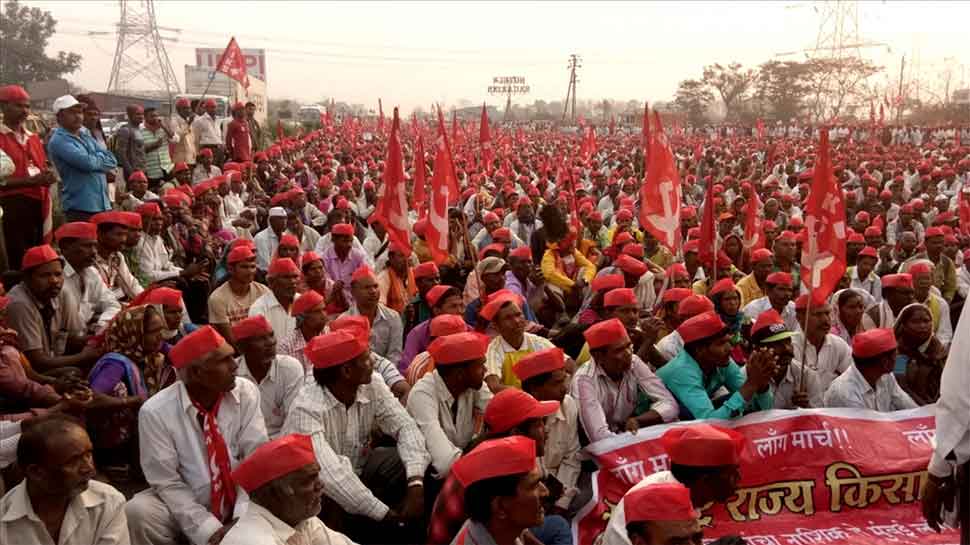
(386, 328)
(443, 300)
(207, 132)
(444, 403)
(862, 275)
(282, 277)
(787, 387)
(342, 255)
(47, 319)
(113, 231)
(753, 285)
(897, 292)
(657, 514)
(606, 387)
(671, 344)
(504, 313)
(870, 383)
(340, 407)
(524, 278)
(310, 311)
(191, 434)
(705, 365)
(283, 483)
(779, 297)
(278, 377)
(78, 242)
(23, 190)
(239, 146)
(944, 270)
(230, 303)
(816, 347)
(205, 169)
(925, 293)
(396, 281)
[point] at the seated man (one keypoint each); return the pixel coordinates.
(493, 281)
(278, 377)
(705, 365)
(386, 328)
(446, 402)
(46, 318)
(704, 458)
(230, 302)
(660, 514)
(544, 376)
(423, 363)
(870, 383)
(382, 366)
(442, 300)
(190, 435)
(309, 311)
(502, 499)
(690, 306)
(340, 408)
(787, 388)
(78, 242)
(282, 479)
(779, 297)
(504, 313)
(282, 276)
(113, 229)
(426, 276)
(58, 502)
(897, 292)
(824, 352)
(607, 387)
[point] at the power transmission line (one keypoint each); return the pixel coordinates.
(138, 29)
(574, 63)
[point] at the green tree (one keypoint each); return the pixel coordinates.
(732, 83)
(24, 33)
(781, 88)
(693, 98)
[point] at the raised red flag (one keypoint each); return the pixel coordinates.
(233, 64)
(754, 233)
(823, 260)
(646, 135)
(450, 176)
(660, 195)
(419, 174)
(441, 183)
(708, 243)
(380, 120)
(485, 141)
(963, 209)
(392, 203)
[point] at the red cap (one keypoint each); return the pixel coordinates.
(512, 406)
(693, 305)
(458, 347)
(801, 302)
(608, 282)
(490, 217)
(356, 323)
(498, 300)
(703, 445)
(252, 326)
(495, 247)
(37, 256)
(426, 269)
(435, 294)
(631, 266)
(289, 241)
(206, 152)
(539, 362)
(13, 93)
(605, 333)
(309, 257)
(138, 176)
(767, 318)
(117, 218)
(496, 458)
(240, 253)
(868, 251)
(873, 231)
(361, 273)
(336, 348)
(620, 297)
(873, 342)
(903, 280)
(779, 278)
(622, 239)
(675, 295)
(522, 252)
(692, 246)
(633, 250)
(274, 459)
(167, 297)
(700, 326)
(282, 265)
(308, 301)
(722, 285)
(660, 502)
(856, 238)
(149, 209)
(787, 236)
(76, 229)
(182, 102)
(920, 267)
(447, 324)
(934, 232)
(502, 234)
(195, 346)
(342, 229)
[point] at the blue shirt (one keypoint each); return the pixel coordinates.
(81, 162)
(684, 378)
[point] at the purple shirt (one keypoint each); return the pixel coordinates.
(341, 271)
(418, 340)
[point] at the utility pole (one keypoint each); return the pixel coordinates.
(899, 97)
(574, 63)
(138, 30)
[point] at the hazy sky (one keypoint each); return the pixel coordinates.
(414, 53)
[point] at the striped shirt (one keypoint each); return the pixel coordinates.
(501, 356)
(158, 162)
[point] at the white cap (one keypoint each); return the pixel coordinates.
(64, 102)
(277, 212)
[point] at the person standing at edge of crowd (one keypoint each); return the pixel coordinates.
(22, 192)
(129, 146)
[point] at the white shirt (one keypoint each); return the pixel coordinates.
(953, 407)
(279, 318)
(342, 435)
(445, 434)
(173, 453)
(963, 281)
(233, 205)
(616, 527)
(871, 286)
(9, 437)
(200, 173)
(498, 349)
(277, 390)
(561, 458)
(308, 241)
(670, 345)
(851, 390)
(260, 527)
(266, 244)
(94, 298)
(95, 516)
(829, 362)
(206, 130)
(155, 260)
(782, 392)
(755, 308)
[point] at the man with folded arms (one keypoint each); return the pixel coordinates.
(282, 478)
(191, 434)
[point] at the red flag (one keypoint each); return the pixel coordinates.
(708, 243)
(450, 177)
(392, 203)
(380, 120)
(823, 261)
(419, 174)
(754, 233)
(660, 195)
(964, 212)
(454, 127)
(441, 183)
(233, 64)
(485, 140)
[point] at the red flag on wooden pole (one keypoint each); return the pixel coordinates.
(660, 195)
(233, 64)
(442, 180)
(708, 243)
(392, 204)
(485, 141)
(824, 259)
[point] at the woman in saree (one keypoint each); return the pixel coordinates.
(920, 355)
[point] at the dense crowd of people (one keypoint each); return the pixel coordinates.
(226, 330)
